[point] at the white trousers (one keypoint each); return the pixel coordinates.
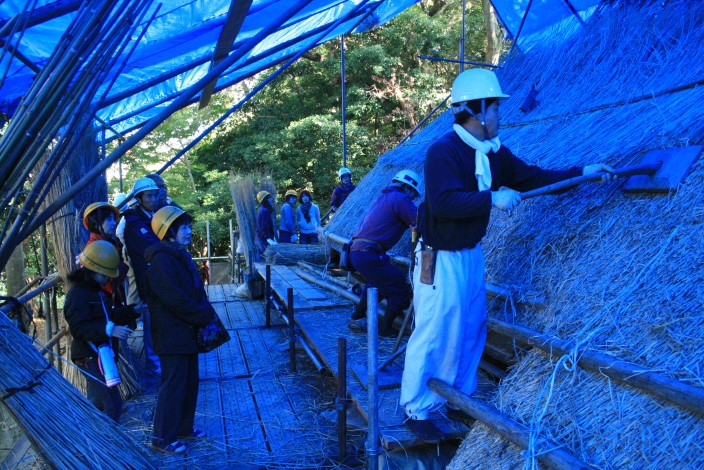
(450, 330)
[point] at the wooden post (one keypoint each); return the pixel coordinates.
(372, 378)
(506, 427)
(681, 394)
(341, 399)
(207, 233)
(267, 293)
(291, 330)
(232, 254)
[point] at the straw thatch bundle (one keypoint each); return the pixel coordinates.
(244, 195)
(621, 273)
(289, 254)
(66, 429)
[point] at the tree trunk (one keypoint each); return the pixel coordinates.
(15, 271)
(493, 41)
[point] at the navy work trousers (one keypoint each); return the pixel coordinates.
(389, 281)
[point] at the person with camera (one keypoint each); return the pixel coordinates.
(179, 306)
(96, 328)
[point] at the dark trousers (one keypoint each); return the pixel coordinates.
(106, 399)
(309, 238)
(178, 395)
(285, 236)
(388, 279)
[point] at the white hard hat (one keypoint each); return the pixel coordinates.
(144, 184)
(343, 171)
(119, 199)
(408, 177)
(476, 84)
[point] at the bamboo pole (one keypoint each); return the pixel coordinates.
(372, 446)
(681, 394)
(553, 456)
(48, 283)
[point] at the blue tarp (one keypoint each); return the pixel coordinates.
(177, 47)
(178, 43)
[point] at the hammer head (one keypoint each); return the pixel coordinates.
(676, 164)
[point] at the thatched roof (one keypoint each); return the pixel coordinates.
(622, 274)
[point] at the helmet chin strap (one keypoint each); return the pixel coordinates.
(463, 107)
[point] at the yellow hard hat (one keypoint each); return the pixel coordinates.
(291, 192)
(261, 195)
(101, 257)
(163, 218)
(95, 206)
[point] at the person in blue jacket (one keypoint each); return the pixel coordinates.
(465, 170)
(179, 305)
(266, 231)
(308, 219)
(287, 224)
(382, 227)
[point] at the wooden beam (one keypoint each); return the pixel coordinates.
(228, 34)
(686, 396)
(557, 458)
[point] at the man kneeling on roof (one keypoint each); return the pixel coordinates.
(464, 171)
(382, 227)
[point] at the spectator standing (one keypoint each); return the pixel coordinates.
(179, 305)
(287, 224)
(94, 324)
(308, 219)
(266, 231)
(138, 237)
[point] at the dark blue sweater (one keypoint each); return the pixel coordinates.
(455, 213)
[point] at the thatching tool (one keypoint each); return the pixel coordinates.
(660, 171)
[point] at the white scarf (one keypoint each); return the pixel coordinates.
(482, 147)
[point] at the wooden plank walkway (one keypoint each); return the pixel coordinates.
(256, 413)
(308, 297)
(320, 329)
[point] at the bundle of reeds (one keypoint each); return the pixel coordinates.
(290, 253)
(66, 429)
(244, 195)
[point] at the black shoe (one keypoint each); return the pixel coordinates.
(425, 430)
(461, 416)
(360, 326)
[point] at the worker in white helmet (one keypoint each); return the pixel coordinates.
(464, 171)
(343, 189)
(138, 235)
(382, 227)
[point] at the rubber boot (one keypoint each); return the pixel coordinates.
(386, 322)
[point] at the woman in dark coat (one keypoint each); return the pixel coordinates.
(94, 325)
(178, 305)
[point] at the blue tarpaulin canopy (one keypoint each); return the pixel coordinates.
(174, 45)
(177, 42)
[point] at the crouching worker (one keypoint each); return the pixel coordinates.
(382, 227)
(94, 326)
(178, 305)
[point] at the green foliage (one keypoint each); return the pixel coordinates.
(292, 129)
